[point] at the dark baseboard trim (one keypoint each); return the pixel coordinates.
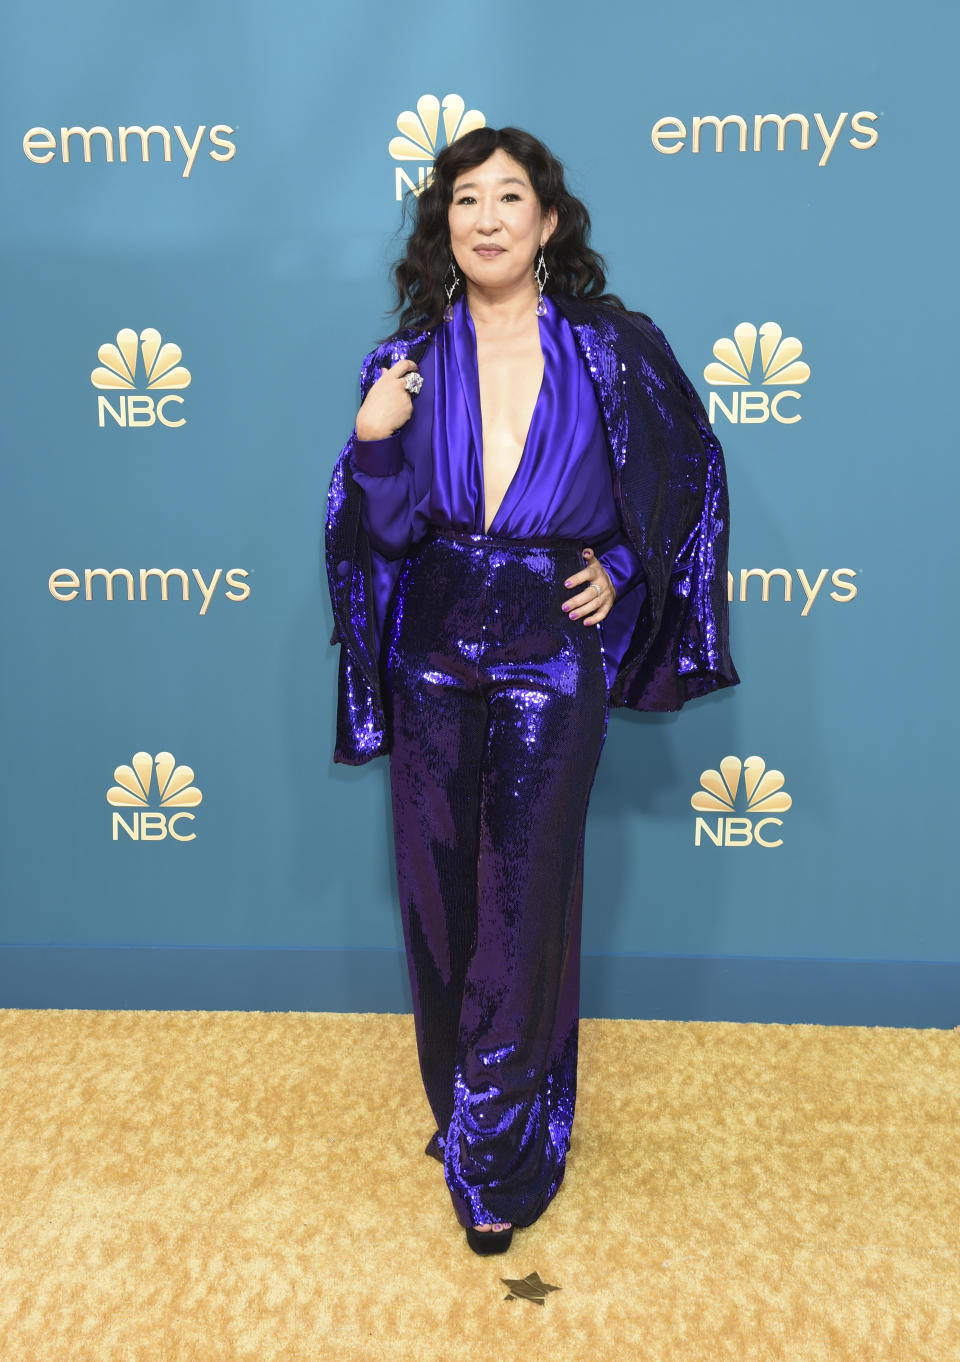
(914, 993)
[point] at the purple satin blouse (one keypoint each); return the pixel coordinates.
(430, 472)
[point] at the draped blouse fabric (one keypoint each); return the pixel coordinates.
(430, 472)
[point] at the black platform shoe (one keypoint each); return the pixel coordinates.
(489, 1241)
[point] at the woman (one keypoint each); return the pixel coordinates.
(527, 525)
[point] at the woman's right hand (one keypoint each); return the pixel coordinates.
(388, 405)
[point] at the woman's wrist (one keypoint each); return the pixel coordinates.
(366, 435)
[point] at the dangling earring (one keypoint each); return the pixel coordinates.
(541, 265)
(450, 289)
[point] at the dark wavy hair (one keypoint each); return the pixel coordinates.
(573, 267)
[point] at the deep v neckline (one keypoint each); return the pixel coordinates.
(475, 375)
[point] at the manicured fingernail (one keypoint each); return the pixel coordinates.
(573, 615)
(564, 607)
(566, 583)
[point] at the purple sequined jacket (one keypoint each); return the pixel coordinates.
(670, 485)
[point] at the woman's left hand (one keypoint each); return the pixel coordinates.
(588, 606)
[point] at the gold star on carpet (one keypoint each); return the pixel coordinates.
(529, 1288)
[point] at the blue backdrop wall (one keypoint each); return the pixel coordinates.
(186, 311)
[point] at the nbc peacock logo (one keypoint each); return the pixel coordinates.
(153, 780)
(780, 366)
(419, 136)
(764, 795)
(145, 361)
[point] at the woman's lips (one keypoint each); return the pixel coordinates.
(489, 250)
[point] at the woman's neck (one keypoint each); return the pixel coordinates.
(500, 310)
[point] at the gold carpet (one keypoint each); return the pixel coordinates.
(191, 1186)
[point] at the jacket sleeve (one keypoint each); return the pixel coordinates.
(360, 578)
(361, 732)
(688, 653)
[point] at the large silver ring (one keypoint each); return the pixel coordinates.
(413, 383)
(599, 588)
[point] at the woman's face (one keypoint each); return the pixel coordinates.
(496, 223)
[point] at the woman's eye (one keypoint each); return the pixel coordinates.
(469, 198)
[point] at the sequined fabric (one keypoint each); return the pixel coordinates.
(669, 482)
(498, 713)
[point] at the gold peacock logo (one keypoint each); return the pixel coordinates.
(780, 366)
(160, 362)
(153, 780)
(419, 134)
(145, 361)
(764, 797)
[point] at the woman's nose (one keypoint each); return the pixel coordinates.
(488, 217)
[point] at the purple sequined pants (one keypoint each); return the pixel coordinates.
(499, 713)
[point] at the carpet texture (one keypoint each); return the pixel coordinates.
(196, 1186)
